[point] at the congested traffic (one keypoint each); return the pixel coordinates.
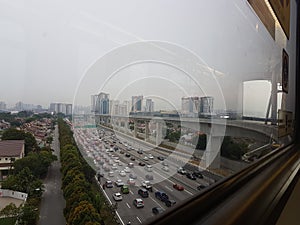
(138, 179)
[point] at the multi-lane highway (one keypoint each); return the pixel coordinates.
(110, 155)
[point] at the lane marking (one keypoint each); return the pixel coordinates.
(157, 202)
(139, 219)
(119, 217)
(169, 188)
(188, 192)
(128, 205)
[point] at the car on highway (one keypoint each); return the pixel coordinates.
(148, 168)
(127, 155)
(149, 177)
(164, 163)
(181, 170)
(142, 164)
(146, 158)
(138, 202)
(125, 189)
(170, 202)
(131, 181)
(119, 183)
(127, 169)
(147, 185)
(109, 184)
(190, 176)
(117, 196)
(178, 187)
(143, 193)
(133, 176)
(161, 195)
(165, 168)
(198, 174)
(111, 174)
(130, 165)
(140, 151)
(201, 187)
(132, 158)
(157, 210)
(122, 173)
(150, 156)
(122, 152)
(161, 158)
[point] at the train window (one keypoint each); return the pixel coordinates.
(195, 91)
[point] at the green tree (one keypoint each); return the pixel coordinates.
(84, 213)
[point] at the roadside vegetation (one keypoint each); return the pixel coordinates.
(85, 204)
(26, 177)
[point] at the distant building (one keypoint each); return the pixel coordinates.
(61, 108)
(190, 105)
(69, 109)
(93, 103)
(137, 103)
(149, 105)
(206, 105)
(10, 151)
(102, 104)
(2, 106)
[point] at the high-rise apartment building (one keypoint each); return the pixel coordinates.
(206, 105)
(149, 105)
(102, 104)
(137, 103)
(61, 108)
(190, 105)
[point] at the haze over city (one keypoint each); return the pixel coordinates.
(47, 49)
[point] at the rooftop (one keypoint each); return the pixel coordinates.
(11, 147)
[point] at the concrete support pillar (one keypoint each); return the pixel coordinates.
(147, 130)
(158, 139)
(274, 99)
(213, 152)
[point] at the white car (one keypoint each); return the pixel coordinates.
(122, 173)
(127, 170)
(119, 183)
(165, 168)
(117, 196)
(150, 156)
(110, 173)
(131, 181)
(148, 168)
(146, 158)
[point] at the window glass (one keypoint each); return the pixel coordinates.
(170, 96)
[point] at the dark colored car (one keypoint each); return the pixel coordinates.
(190, 176)
(161, 158)
(169, 202)
(157, 210)
(143, 192)
(161, 196)
(198, 174)
(142, 164)
(132, 158)
(201, 187)
(127, 155)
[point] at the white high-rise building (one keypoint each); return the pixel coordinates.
(149, 105)
(190, 105)
(206, 105)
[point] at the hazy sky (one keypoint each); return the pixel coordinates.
(47, 47)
